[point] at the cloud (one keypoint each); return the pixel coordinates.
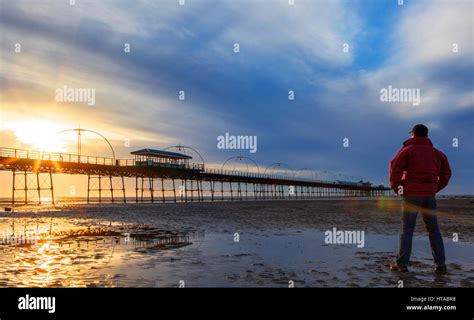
(282, 48)
(429, 29)
(422, 57)
(82, 45)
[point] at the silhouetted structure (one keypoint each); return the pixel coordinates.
(151, 168)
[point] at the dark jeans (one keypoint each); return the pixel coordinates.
(427, 207)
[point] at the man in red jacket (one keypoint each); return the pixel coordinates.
(417, 172)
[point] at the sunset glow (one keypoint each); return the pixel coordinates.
(39, 134)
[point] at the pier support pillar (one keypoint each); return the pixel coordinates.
(25, 182)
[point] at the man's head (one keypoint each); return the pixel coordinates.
(419, 131)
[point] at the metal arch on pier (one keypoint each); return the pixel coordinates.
(240, 158)
(285, 167)
(79, 142)
(183, 148)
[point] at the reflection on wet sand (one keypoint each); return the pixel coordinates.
(279, 243)
(36, 255)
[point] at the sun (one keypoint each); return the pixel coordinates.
(38, 134)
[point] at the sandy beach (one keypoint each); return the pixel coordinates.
(229, 244)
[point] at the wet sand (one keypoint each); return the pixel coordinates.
(280, 243)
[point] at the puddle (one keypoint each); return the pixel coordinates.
(35, 255)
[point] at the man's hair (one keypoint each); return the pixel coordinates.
(420, 130)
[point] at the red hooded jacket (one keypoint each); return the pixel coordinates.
(420, 168)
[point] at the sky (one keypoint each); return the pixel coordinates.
(335, 56)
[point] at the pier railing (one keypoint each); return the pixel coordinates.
(250, 174)
(54, 156)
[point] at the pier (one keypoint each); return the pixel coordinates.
(162, 176)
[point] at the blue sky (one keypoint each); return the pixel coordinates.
(282, 48)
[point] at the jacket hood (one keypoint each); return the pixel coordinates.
(418, 141)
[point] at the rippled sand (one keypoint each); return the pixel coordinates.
(280, 243)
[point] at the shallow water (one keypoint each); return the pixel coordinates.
(78, 252)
